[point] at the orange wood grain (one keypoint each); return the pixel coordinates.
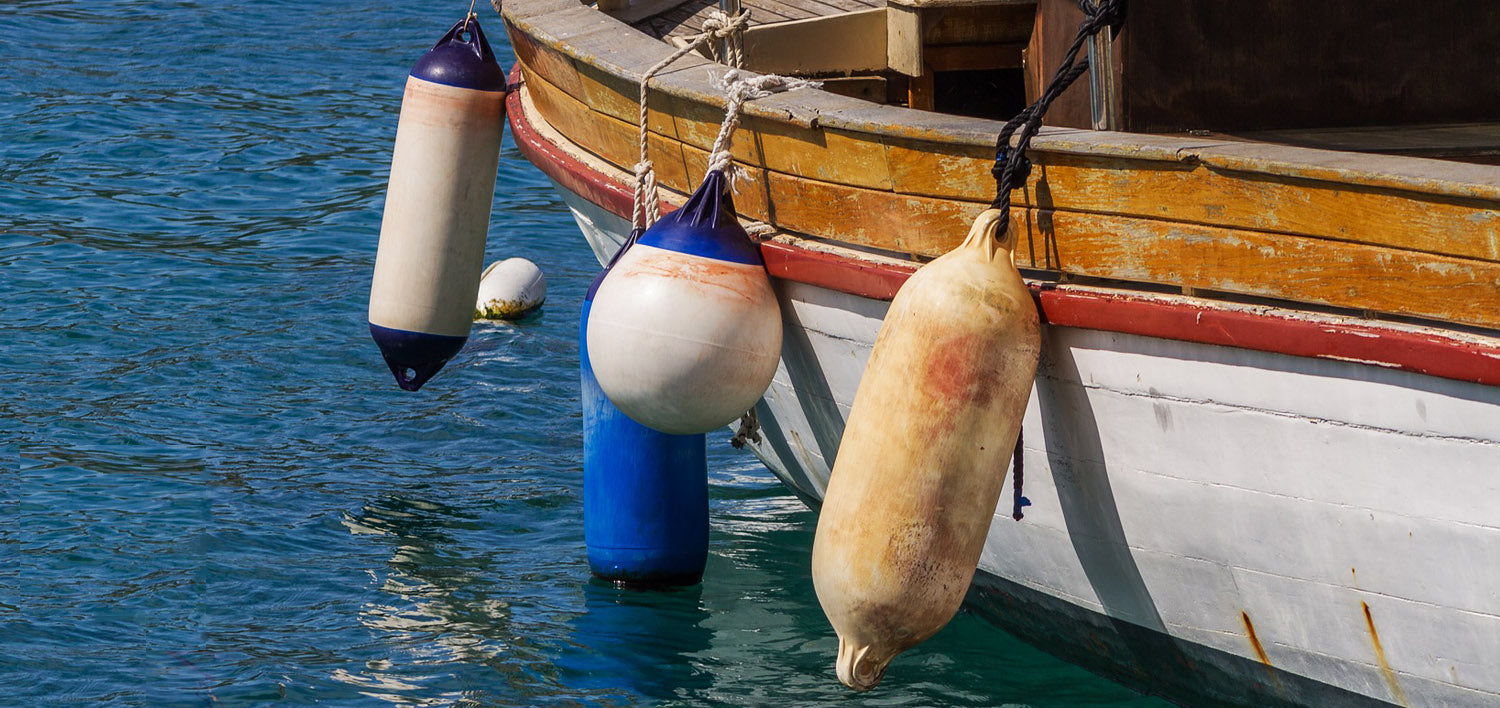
(1183, 224)
(868, 217)
(1202, 195)
(1193, 192)
(1268, 265)
(826, 155)
(616, 141)
(620, 99)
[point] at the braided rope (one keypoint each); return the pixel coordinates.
(646, 209)
(739, 88)
(1011, 166)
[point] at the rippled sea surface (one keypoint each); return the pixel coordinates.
(211, 491)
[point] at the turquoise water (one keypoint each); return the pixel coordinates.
(213, 492)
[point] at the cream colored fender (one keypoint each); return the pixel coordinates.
(437, 206)
(925, 452)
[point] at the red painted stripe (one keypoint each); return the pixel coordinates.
(829, 270)
(567, 170)
(1427, 352)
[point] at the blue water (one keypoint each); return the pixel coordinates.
(214, 494)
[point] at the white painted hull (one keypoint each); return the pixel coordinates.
(1319, 532)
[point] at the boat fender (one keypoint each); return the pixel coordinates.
(509, 290)
(924, 453)
(685, 331)
(645, 492)
(437, 205)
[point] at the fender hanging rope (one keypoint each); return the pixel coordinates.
(646, 209)
(738, 88)
(1011, 165)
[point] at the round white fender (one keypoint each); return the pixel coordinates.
(509, 290)
(437, 207)
(685, 331)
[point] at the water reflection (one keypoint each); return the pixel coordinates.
(638, 643)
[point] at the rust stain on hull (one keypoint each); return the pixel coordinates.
(1380, 660)
(1260, 653)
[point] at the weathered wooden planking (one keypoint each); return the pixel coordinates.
(1229, 260)
(680, 18)
(802, 47)
(1219, 193)
(829, 155)
(1340, 211)
(678, 166)
(918, 225)
(1201, 194)
(615, 141)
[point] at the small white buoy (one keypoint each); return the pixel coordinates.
(509, 290)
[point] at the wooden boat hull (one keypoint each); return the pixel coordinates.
(1236, 524)
(1232, 504)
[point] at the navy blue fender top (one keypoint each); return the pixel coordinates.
(464, 63)
(706, 226)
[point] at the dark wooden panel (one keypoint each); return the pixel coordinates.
(1214, 65)
(1056, 24)
(1286, 64)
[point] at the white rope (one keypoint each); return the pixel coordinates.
(646, 210)
(738, 88)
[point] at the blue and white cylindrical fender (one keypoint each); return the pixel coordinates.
(437, 207)
(685, 331)
(645, 492)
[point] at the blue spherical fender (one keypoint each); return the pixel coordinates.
(645, 493)
(437, 207)
(685, 330)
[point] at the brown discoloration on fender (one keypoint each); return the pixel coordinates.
(924, 453)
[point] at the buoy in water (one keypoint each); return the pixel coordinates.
(645, 492)
(437, 206)
(509, 290)
(925, 452)
(685, 331)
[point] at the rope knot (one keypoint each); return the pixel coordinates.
(739, 87)
(719, 25)
(1104, 13)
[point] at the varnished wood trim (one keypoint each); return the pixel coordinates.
(1132, 235)
(588, 37)
(1233, 185)
(1417, 349)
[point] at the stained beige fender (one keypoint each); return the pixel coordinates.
(925, 452)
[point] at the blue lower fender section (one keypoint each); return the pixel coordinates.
(645, 493)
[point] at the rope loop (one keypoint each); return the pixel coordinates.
(646, 210)
(739, 87)
(1011, 166)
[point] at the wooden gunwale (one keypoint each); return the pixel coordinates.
(1425, 350)
(1401, 235)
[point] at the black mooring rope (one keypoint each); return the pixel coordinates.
(1018, 500)
(1011, 166)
